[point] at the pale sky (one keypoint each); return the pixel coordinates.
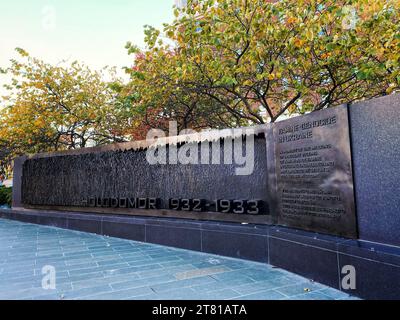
(92, 31)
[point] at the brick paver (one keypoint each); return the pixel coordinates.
(90, 266)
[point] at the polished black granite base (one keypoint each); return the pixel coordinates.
(315, 256)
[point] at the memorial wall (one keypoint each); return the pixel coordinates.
(269, 193)
(300, 176)
(123, 181)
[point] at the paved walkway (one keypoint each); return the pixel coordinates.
(89, 266)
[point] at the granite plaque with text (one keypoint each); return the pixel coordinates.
(313, 168)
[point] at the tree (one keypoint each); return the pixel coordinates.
(156, 98)
(50, 108)
(253, 61)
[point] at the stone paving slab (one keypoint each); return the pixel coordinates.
(94, 267)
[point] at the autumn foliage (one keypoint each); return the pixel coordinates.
(51, 108)
(253, 61)
(224, 63)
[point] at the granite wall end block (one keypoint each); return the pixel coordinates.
(375, 138)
